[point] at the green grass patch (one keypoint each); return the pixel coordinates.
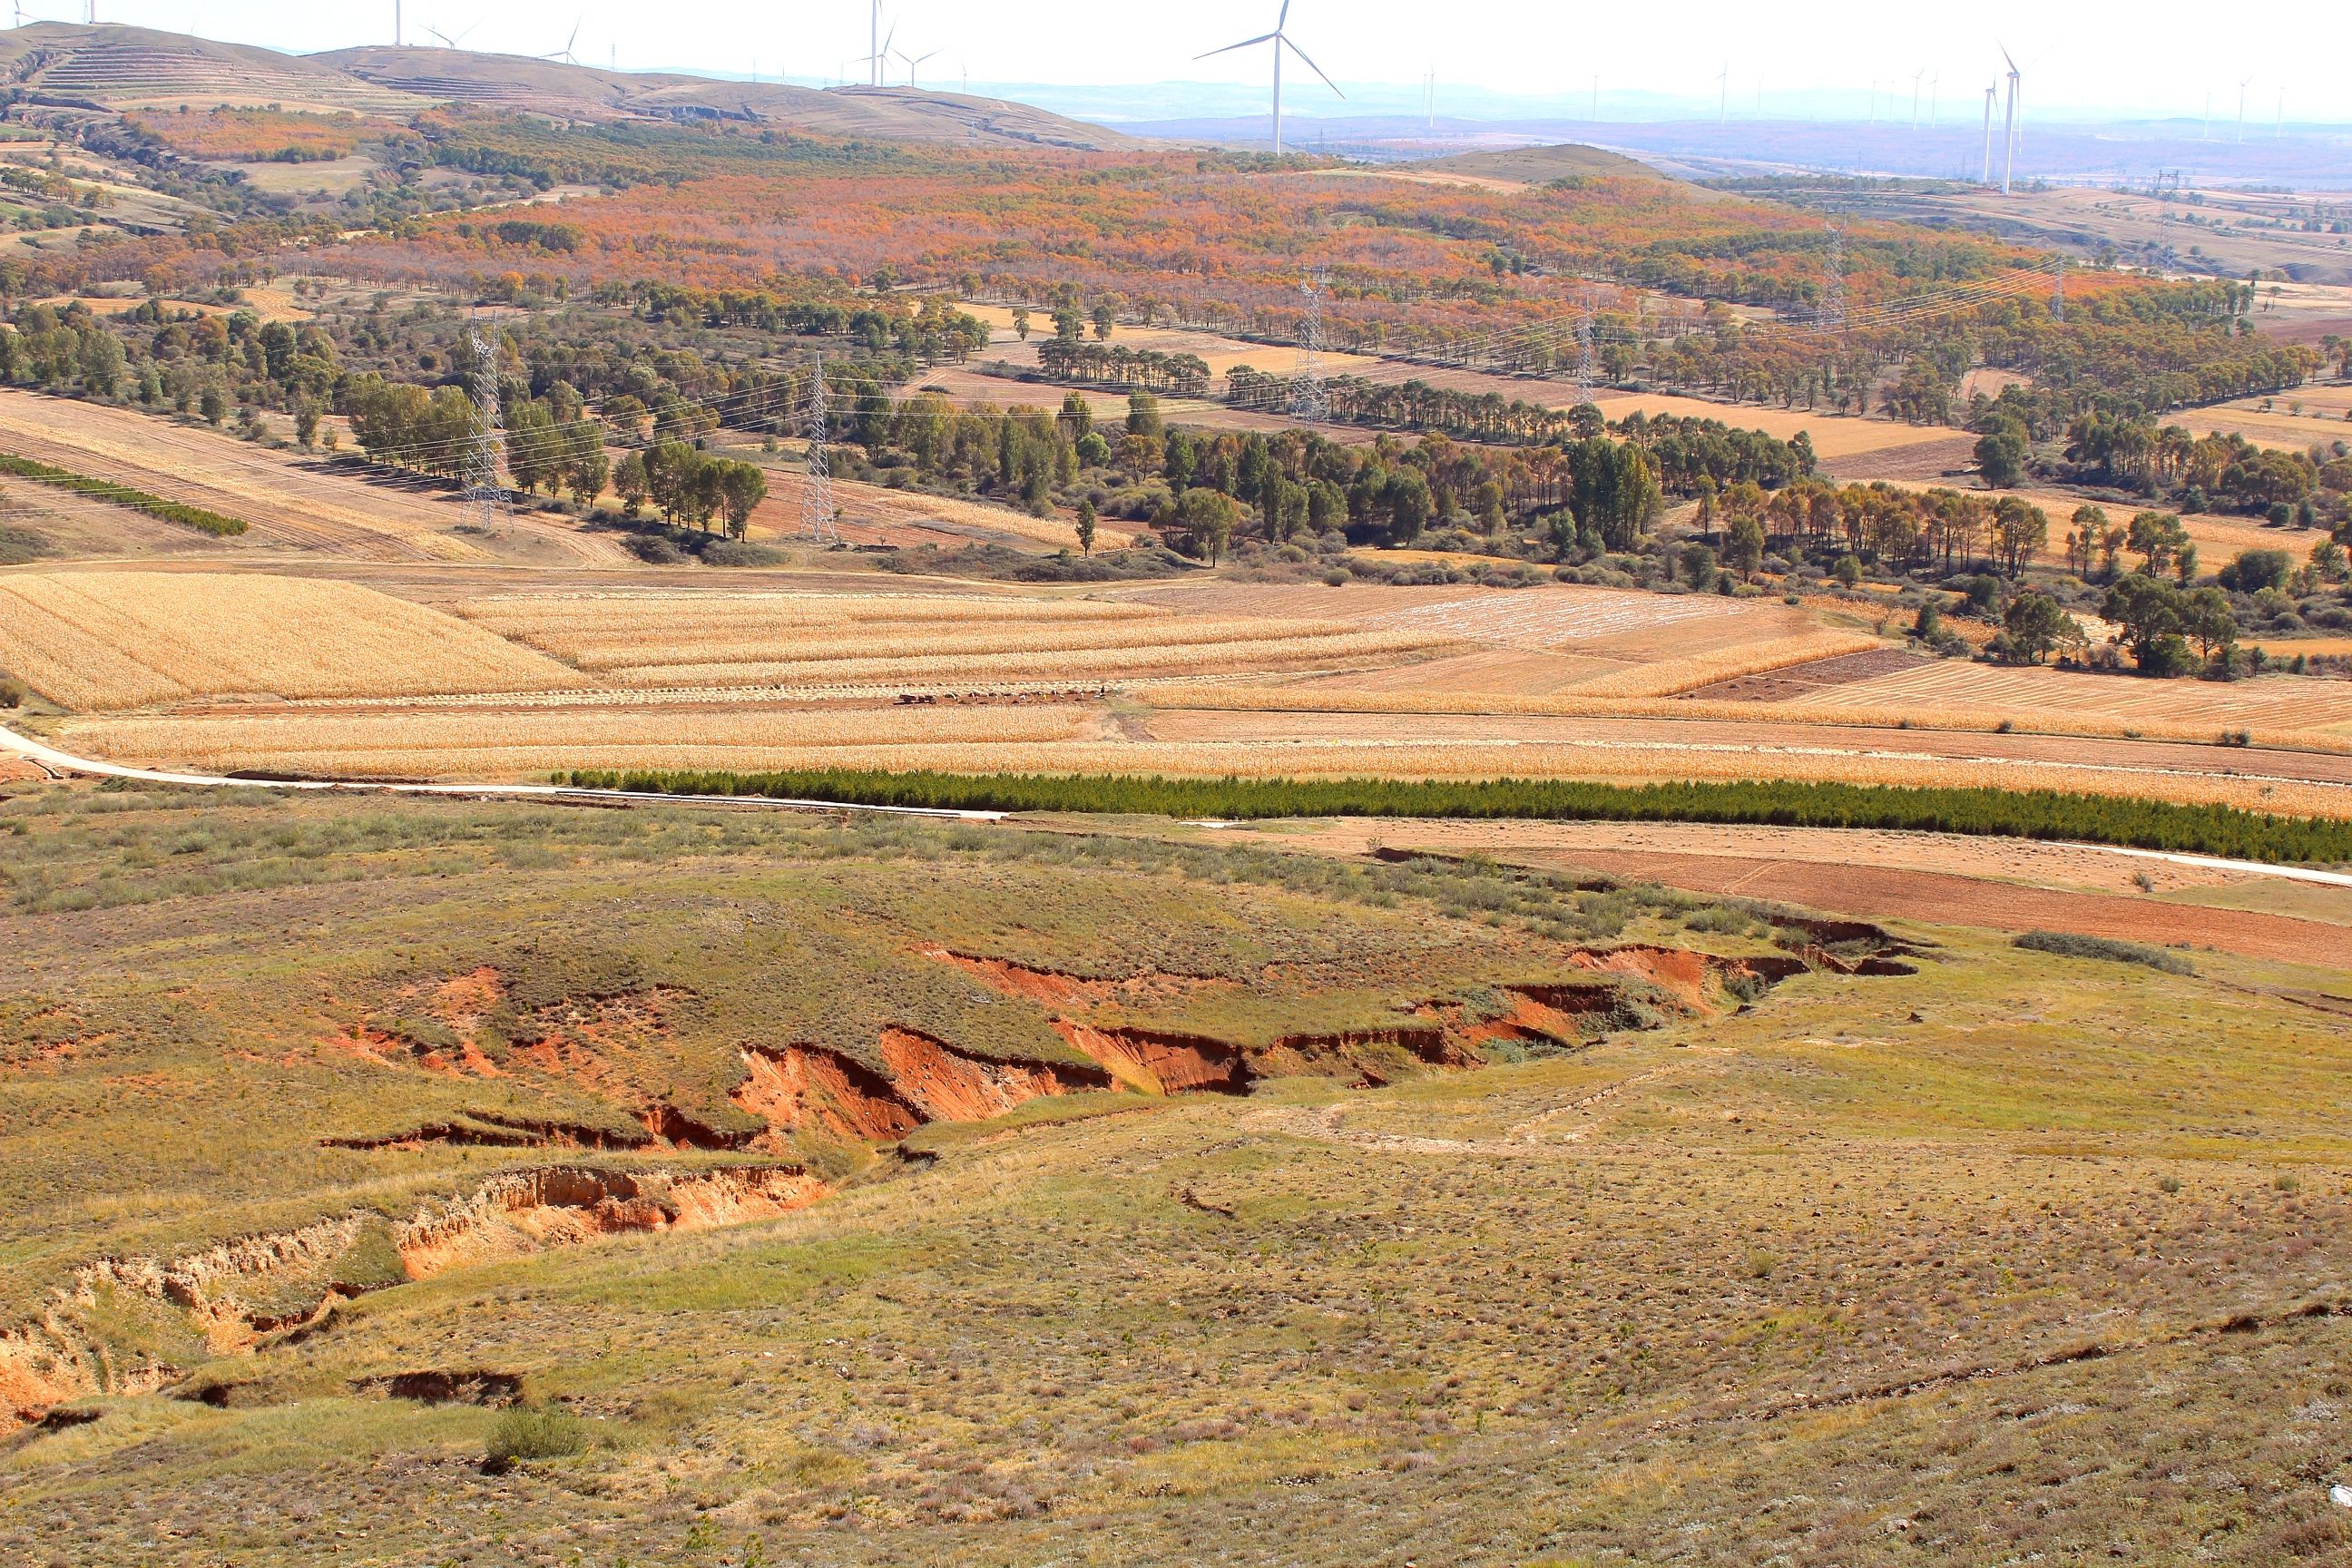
(2068, 944)
(528, 1432)
(186, 516)
(2039, 814)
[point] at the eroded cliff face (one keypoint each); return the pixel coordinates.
(237, 1294)
(241, 1293)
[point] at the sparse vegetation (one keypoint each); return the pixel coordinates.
(1843, 1191)
(2066, 944)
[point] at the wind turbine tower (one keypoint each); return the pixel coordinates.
(1723, 111)
(1281, 40)
(2241, 108)
(2009, 131)
(1991, 94)
(1918, 77)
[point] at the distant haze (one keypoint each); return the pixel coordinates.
(2162, 58)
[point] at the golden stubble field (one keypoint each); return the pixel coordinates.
(1213, 677)
(289, 503)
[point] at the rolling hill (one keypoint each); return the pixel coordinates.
(121, 68)
(138, 68)
(1541, 165)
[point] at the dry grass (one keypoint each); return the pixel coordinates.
(112, 640)
(1832, 434)
(878, 505)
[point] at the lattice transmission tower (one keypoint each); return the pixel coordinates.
(1834, 283)
(1587, 375)
(486, 446)
(1309, 397)
(819, 521)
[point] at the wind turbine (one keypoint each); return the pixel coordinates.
(1723, 106)
(883, 51)
(911, 64)
(565, 54)
(2241, 108)
(881, 45)
(1916, 78)
(2009, 132)
(1280, 39)
(449, 43)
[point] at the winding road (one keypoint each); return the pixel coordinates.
(59, 763)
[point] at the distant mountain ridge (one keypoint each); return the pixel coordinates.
(124, 67)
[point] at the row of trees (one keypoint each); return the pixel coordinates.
(1956, 530)
(2223, 470)
(688, 485)
(1178, 376)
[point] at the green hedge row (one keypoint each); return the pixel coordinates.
(2218, 830)
(194, 517)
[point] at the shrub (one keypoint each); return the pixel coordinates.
(738, 552)
(2067, 944)
(532, 1432)
(18, 545)
(12, 692)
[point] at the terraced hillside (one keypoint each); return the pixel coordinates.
(122, 67)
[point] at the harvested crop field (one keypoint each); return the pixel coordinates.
(111, 640)
(349, 510)
(879, 639)
(2277, 703)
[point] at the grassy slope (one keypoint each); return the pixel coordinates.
(201, 973)
(1559, 1313)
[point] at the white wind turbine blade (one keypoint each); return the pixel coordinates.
(1310, 65)
(1246, 43)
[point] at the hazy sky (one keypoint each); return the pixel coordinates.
(2167, 58)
